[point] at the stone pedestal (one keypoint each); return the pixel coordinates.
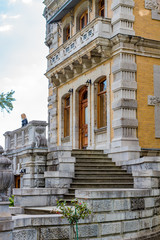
(6, 223)
(6, 176)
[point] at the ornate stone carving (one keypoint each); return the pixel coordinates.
(153, 5)
(137, 204)
(6, 177)
(41, 141)
(153, 100)
(1, 150)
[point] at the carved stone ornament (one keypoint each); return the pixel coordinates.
(153, 5)
(6, 177)
(41, 141)
(153, 100)
(137, 204)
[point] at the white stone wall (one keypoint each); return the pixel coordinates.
(116, 215)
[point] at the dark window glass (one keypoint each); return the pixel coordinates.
(67, 117)
(102, 103)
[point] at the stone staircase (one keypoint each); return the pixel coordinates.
(93, 169)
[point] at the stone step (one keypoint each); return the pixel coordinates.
(70, 196)
(99, 171)
(94, 160)
(95, 167)
(39, 210)
(92, 156)
(78, 151)
(92, 163)
(95, 175)
(103, 180)
(101, 185)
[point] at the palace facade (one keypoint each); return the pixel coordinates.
(104, 75)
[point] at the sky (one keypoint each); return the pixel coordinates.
(23, 61)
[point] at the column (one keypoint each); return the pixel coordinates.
(74, 120)
(89, 115)
(71, 118)
(108, 113)
(92, 116)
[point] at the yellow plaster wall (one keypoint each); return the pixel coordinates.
(144, 25)
(145, 113)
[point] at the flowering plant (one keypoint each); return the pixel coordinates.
(73, 213)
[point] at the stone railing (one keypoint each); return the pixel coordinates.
(31, 136)
(98, 28)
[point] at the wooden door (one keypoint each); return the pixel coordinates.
(17, 181)
(83, 100)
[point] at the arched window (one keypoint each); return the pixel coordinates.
(67, 116)
(101, 8)
(68, 33)
(84, 20)
(102, 103)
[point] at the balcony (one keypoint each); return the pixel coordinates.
(26, 137)
(86, 47)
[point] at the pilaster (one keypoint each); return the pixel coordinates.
(89, 116)
(123, 17)
(125, 142)
(52, 115)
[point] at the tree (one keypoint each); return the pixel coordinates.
(6, 100)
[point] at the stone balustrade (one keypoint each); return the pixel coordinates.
(97, 28)
(31, 136)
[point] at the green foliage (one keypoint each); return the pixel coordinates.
(11, 199)
(6, 100)
(74, 213)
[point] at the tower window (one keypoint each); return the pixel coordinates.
(101, 8)
(102, 103)
(67, 117)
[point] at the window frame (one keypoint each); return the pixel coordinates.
(85, 15)
(101, 8)
(66, 109)
(68, 33)
(99, 94)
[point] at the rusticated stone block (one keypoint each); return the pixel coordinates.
(137, 204)
(111, 228)
(102, 205)
(54, 233)
(131, 226)
(122, 204)
(88, 231)
(27, 234)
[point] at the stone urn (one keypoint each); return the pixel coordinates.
(6, 177)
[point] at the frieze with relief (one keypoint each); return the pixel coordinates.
(153, 100)
(153, 5)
